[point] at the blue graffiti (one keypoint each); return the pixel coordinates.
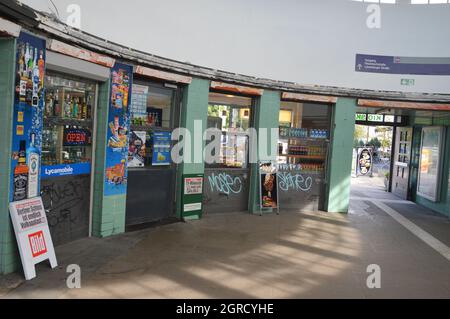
(225, 184)
(297, 182)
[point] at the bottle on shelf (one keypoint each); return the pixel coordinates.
(75, 112)
(56, 105)
(67, 107)
(49, 105)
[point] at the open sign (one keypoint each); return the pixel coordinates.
(76, 137)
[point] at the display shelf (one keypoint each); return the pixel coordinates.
(307, 157)
(135, 127)
(307, 139)
(58, 121)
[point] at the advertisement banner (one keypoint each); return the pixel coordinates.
(136, 149)
(32, 233)
(365, 161)
(268, 185)
(118, 128)
(161, 148)
(27, 118)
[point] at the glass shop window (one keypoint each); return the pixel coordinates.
(151, 115)
(68, 112)
(233, 116)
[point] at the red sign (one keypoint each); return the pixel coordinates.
(72, 136)
(37, 244)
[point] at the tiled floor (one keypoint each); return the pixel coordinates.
(293, 255)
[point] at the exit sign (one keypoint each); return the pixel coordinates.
(408, 82)
(375, 118)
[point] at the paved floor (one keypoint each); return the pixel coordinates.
(293, 255)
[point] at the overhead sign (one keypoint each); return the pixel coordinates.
(402, 65)
(33, 235)
(375, 117)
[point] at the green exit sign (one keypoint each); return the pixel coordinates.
(375, 118)
(408, 82)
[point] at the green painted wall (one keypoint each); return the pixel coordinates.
(108, 216)
(9, 257)
(267, 115)
(194, 108)
(339, 176)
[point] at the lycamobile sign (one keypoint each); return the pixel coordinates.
(65, 170)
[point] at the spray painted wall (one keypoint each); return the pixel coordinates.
(308, 41)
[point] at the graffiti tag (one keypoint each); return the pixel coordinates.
(297, 182)
(225, 183)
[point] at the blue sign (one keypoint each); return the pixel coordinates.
(402, 65)
(161, 148)
(65, 170)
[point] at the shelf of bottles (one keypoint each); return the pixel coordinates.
(68, 112)
(303, 149)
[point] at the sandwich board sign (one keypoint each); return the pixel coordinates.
(32, 234)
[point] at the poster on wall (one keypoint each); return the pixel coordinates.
(365, 161)
(139, 104)
(32, 233)
(268, 185)
(161, 148)
(136, 149)
(27, 117)
(118, 128)
(192, 200)
(430, 165)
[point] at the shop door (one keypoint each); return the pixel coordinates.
(151, 173)
(227, 181)
(402, 160)
(67, 142)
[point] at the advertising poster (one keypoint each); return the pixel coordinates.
(268, 185)
(27, 118)
(118, 128)
(32, 233)
(365, 161)
(192, 200)
(139, 104)
(161, 148)
(136, 149)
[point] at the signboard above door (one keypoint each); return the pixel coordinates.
(402, 65)
(379, 119)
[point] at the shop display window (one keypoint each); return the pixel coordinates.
(232, 115)
(304, 135)
(151, 125)
(68, 112)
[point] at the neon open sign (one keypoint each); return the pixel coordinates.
(76, 137)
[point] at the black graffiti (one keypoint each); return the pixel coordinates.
(60, 201)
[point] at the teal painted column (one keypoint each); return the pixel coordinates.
(9, 255)
(339, 170)
(267, 115)
(195, 108)
(108, 216)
